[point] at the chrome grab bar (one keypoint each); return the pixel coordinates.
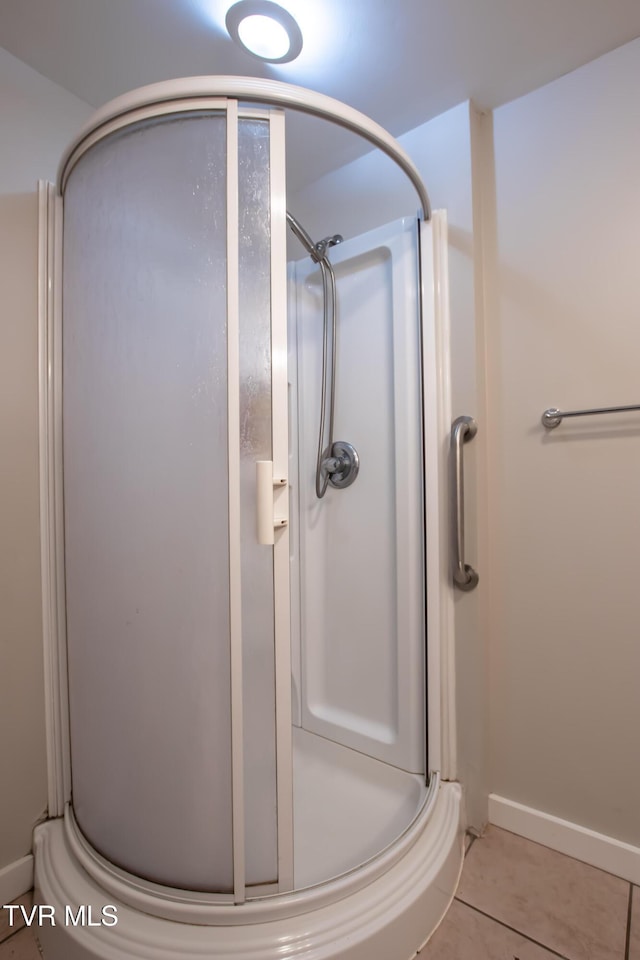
(463, 430)
(553, 418)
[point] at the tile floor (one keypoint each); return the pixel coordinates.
(516, 901)
(18, 942)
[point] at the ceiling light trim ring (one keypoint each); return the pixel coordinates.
(264, 8)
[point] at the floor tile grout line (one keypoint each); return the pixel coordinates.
(514, 930)
(627, 945)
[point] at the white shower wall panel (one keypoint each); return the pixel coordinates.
(362, 570)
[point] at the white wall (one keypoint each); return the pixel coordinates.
(371, 191)
(37, 119)
(564, 511)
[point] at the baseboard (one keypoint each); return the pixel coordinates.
(15, 879)
(566, 837)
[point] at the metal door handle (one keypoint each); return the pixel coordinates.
(463, 430)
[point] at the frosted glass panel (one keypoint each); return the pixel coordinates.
(255, 444)
(145, 460)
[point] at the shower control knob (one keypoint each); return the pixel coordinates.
(343, 464)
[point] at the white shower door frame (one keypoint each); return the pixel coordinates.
(52, 497)
(437, 407)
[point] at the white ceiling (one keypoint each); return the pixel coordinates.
(399, 61)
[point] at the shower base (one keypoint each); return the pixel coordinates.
(347, 807)
(391, 915)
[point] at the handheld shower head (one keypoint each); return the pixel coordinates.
(317, 251)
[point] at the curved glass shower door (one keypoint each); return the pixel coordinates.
(176, 415)
(167, 408)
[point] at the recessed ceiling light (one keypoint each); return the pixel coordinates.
(264, 30)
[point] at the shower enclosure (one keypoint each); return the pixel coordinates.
(246, 744)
